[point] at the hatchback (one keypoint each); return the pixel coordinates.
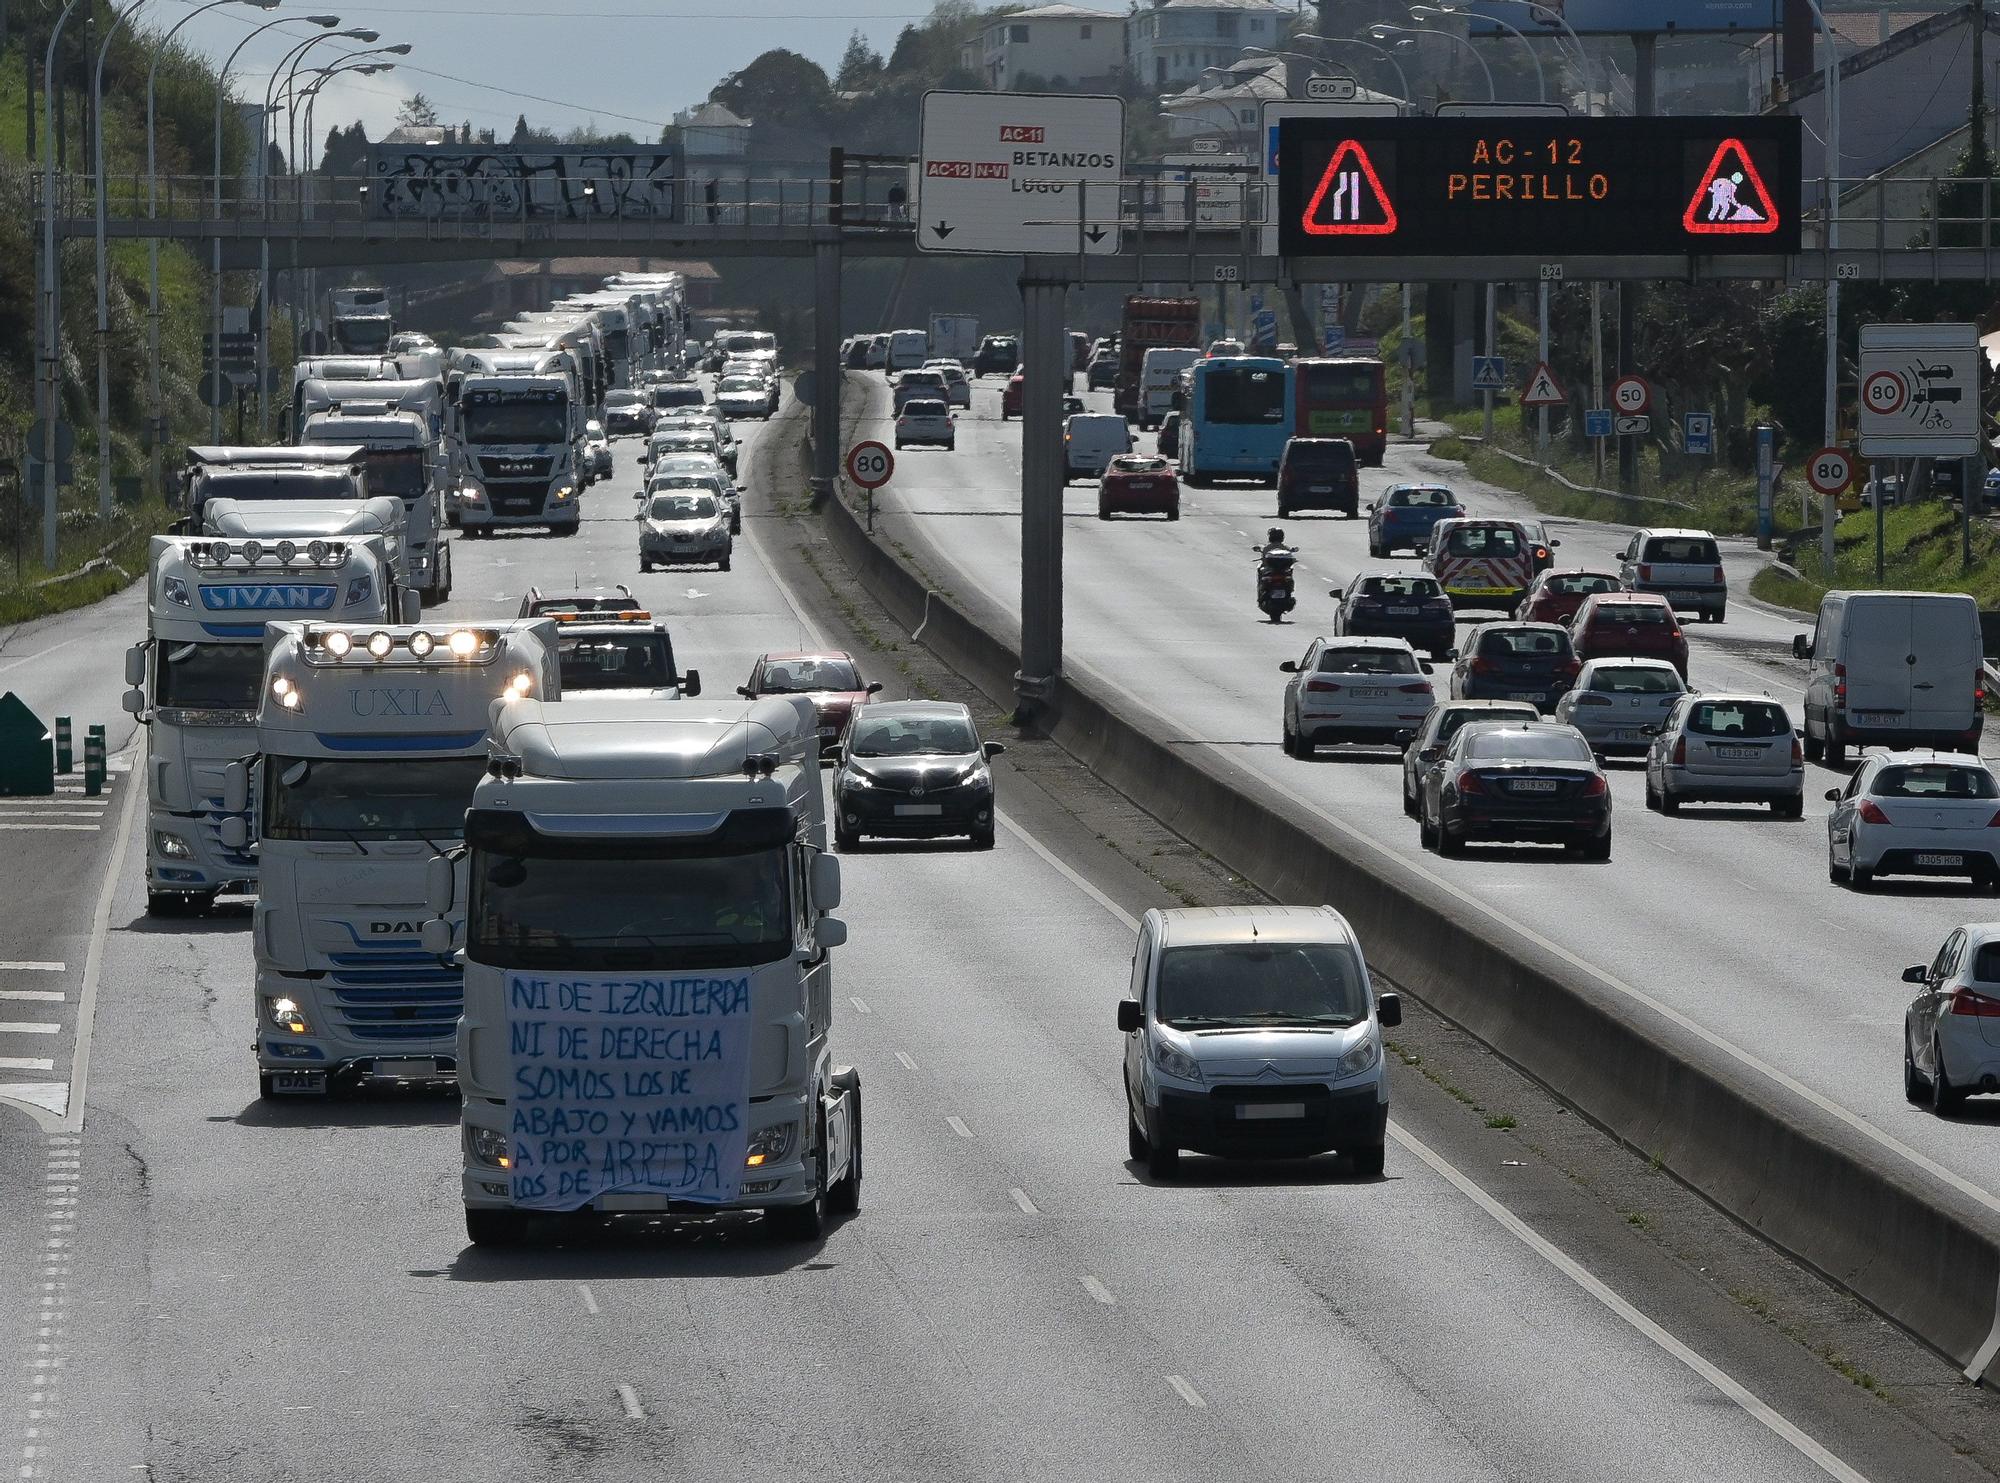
(1537, 781)
(914, 769)
(926, 420)
(1951, 1030)
(1402, 519)
(829, 679)
(998, 355)
(1404, 605)
(1727, 749)
(1915, 813)
(1139, 484)
(1102, 371)
(922, 382)
(1683, 566)
(1445, 720)
(1532, 662)
(1616, 625)
(1555, 596)
(1617, 704)
(1366, 690)
(1318, 474)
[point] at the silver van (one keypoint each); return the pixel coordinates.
(1683, 566)
(1253, 1032)
(1895, 669)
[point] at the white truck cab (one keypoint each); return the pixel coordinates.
(403, 444)
(518, 438)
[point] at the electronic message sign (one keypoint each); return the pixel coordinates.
(1535, 185)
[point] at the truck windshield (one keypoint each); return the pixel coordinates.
(615, 661)
(538, 421)
(397, 471)
(209, 677)
(579, 913)
(304, 484)
(391, 797)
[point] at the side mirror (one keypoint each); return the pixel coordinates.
(994, 749)
(1425, 665)
(1389, 1009)
(440, 884)
(874, 687)
(235, 787)
(412, 607)
(826, 882)
(1916, 973)
(234, 833)
(1801, 646)
(638, 494)
(435, 936)
(1553, 544)
(746, 692)
(1431, 753)
(1833, 795)
(1130, 1016)
(1288, 667)
(135, 665)
(830, 932)
(691, 684)
(133, 702)
(1334, 593)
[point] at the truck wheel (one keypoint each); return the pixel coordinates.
(1814, 747)
(496, 1227)
(845, 1197)
(444, 559)
(645, 564)
(807, 1222)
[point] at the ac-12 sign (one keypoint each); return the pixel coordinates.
(1538, 185)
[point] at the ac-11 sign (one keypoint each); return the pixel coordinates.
(1535, 185)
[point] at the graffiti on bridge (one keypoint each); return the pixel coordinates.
(481, 183)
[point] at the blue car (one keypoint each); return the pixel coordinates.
(1401, 519)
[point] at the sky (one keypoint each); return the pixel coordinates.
(623, 64)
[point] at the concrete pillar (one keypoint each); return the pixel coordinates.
(1045, 364)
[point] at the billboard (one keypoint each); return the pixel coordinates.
(482, 182)
(1628, 17)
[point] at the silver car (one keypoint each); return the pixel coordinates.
(1253, 1032)
(1914, 813)
(1727, 749)
(704, 468)
(683, 526)
(1618, 703)
(1951, 1030)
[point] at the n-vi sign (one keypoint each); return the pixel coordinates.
(1020, 173)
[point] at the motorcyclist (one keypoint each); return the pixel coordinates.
(1274, 540)
(1274, 565)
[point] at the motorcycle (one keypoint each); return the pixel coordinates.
(1274, 582)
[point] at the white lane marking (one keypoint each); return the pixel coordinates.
(1065, 871)
(28, 1027)
(629, 1399)
(1098, 1290)
(859, 1006)
(1746, 885)
(589, 1302)
(93, 962)
(1667, 847)
(42, 653)
(45, 996)
(1187, 1392)
(958, 1126)
(26, 1063)
(52, 828)
(1753, 1407)
(1020, 1198)
(28, 967)
(907, 1063)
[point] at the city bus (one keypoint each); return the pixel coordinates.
(1344, 397)
(1239, 414)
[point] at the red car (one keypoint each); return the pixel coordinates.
(1554, 597)
(830, 680)
(1138, 484)
(1619, 625)
(1010, 398)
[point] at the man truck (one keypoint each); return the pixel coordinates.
(517, 416)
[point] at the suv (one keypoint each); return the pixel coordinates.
(619, 599)
(1683, 566)
(1318, 474)
(998, 355)
(1531, 662)
(1612, 625)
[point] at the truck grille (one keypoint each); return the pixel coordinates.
(515, 499)
(509, 466)
(395, 994)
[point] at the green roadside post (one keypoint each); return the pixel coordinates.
(27, 754)
(93, 761)
(65, 762)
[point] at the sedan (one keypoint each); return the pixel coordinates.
(1536, 781)
(1554, 597)
(1515, 661)
(828, 678)
(683, 525)
(1727, 749)
(914, 769)
(1617, 704)
(1914, 813)
(743, 396)
(1951, 1030)
(1366, 690)
(1444, 722)
(1397, 605)
(1138, 484)
(1402, 519)
(1101, 372)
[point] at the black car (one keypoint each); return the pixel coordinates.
(1531, 781)
(997, 355)
(913, 769)
(627, 413)
(1170, 435)
(1318, 474)
(1397, 605)
(1446, 719)
(1535, 662)
(1102, 371)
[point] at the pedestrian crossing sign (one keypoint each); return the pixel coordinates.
(1730, 199)
(1543, 389)
(1351, 200)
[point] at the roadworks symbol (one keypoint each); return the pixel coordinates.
(1350, 200)
(1730, 198)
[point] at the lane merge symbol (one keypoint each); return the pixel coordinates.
(1730, 198)
(1350, 200)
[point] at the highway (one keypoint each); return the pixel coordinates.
(1722, 917)
(204, 1287)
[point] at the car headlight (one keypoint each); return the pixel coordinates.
(1175, 1062)
(487, 1146)
(769, 1145)
(1362, 1058)
(177, 591)
(861, 780)
(285, 1014)
(359, 589)
(171, 846)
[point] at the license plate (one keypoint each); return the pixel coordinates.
(1688, 596)
(298, 1081)
(414, 1068)
(1533, 785)
(1402, 612)
(1625, 734)
(1265, 1111)
(1940, 862)
(632, 1201)
(1878, 718)
(1370, 694)
(1320, 489)
(1738, 754)
(1525, 695)
(919, 810)
(1481, 591)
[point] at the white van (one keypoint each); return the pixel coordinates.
(1090, 441)
(908, 349)
(1158, 371)
(1896, 669)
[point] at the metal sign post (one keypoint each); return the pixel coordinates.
(1766, 443)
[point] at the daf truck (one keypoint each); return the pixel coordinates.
(361, 320)
(194, 682)
(400, 426)
(268, 494)
(369, 741)
(648, 969)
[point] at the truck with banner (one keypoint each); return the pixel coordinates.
(648, 968)
(1150, 323)
(369, 741)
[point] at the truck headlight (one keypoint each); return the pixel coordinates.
(1362, 1058)
(769, 1145)
(286, 1015)
(565, 491)
(1175, 1063)
(487, 1146)
(171, 846)
(176, 590)
(472, 492)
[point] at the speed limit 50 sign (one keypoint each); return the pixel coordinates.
(870, 465)
(1631, 395)
(1830, 470)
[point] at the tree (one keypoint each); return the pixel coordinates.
(860, 65)
(522, 136)
(779, 87)
(417, 112)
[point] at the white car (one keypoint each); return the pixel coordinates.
(1368, 690)
(926, 420)
(1914, 813)
(1727, 749)
(1951, 1031)
(712, 475)
(1618, 703)
(957, 386)
(743, 396)
(683, 525)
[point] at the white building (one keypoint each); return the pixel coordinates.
(1226, 103)
(1169, 42)
(710, 131)
(1055, 43)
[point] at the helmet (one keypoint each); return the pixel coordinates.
(1276, 536)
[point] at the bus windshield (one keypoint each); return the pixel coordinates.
(1237, 395)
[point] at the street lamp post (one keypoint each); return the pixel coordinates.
(1382, 31)
(51, 285)
(1441, 12)
(309, 96)
(1829, 505)
(103, 269)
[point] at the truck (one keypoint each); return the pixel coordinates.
(648, 969)
(400, 427)
(360, 320)
(270, 493)
(517, 420)
(1150, 323)
(369, 740)
(194, 682)
(955, 337)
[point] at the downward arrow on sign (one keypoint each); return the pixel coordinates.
(1095, 234)
(943, 231)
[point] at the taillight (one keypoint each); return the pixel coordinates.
(1645, 573)
(1964, 1001)
(1570, 668)
(1596, 785)
(1673, 633)
(1681, 750)
(1979, 687)
(1422, 687)
(1718, 575)
(1593, 700)
(1840, 686)
(1799, 760)
(1322, 687)
(1541, 553)
(1469, 782)
(1870, 814)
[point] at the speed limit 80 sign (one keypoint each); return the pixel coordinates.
(1830, 470)
(870, 465)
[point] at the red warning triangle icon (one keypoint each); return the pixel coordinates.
(1730, 199)
(1350, 200)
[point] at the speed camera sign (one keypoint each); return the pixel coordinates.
(1830, 470)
